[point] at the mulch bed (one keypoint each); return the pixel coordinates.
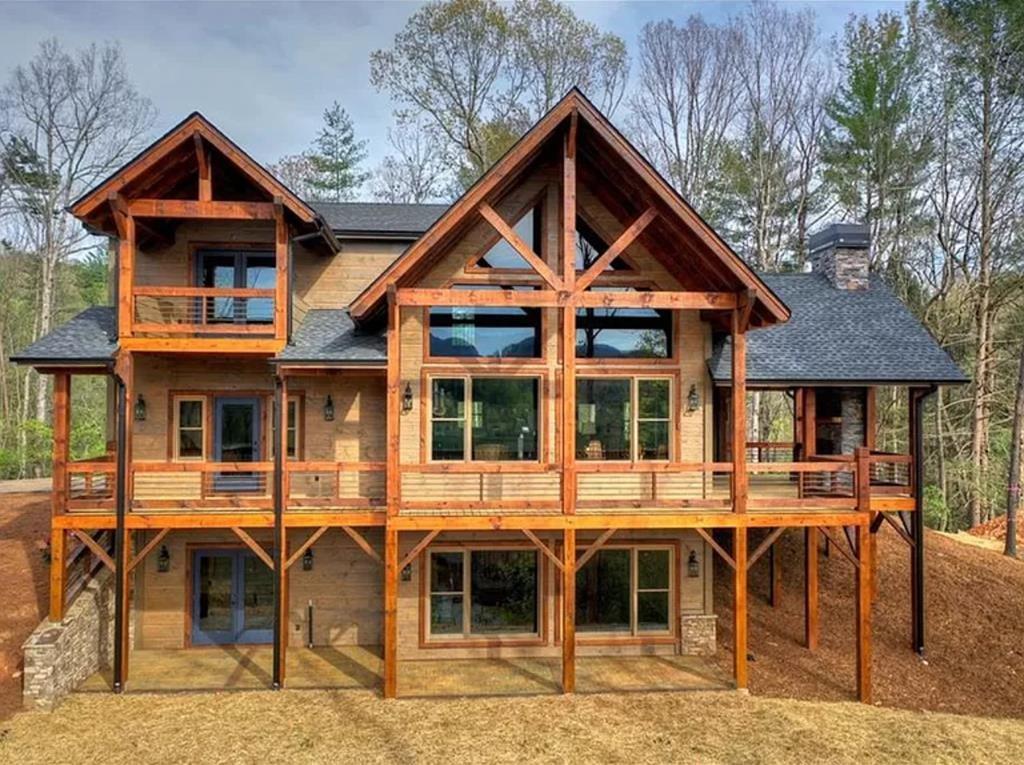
(974, 633)
(24, 529)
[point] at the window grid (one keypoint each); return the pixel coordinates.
(635, 419)
(199, 430)
(636, 591)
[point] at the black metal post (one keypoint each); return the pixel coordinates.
(120, 533)
(917, 398)
(279, 627)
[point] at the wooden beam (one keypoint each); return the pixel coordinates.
(125, 224)
(539, 544)
(61, 441)
(812, 629)
(446, 297)
(306, 545)
(739, 610)
(393, 408)
(282, 262)
(150, 546)
(86, 539)
(203, 161)
(717, 547)
(188, 208)
(839, 545)
(594, 548)
(569, 611)
(739, 408)
(775, 576)
(365, 546)
(253, 545)
(568, 229)
(626, 238)
(568, 411)
(278, 564)
(390, 613)
(420, 547)
(692, 301)
(767, 542)
(58, 572)
(865, 540)
(522, 248)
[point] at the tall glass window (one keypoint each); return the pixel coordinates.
(624, 418)
(625, 591)
(603, 333)
(485, 331)
(501, 422)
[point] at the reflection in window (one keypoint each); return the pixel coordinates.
(590, 246)
(503, 255)
(652, 419)
(190, 428)
(603, 333)
(609, 411)
(448, 419)
(485, 331)
(503, 421)
(625, 591)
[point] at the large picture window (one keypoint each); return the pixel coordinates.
(623, 418)
(484, 593)
(484, 418)
(625, 591)
(609, 333)
(485, 331)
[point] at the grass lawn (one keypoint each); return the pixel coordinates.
(355, 726)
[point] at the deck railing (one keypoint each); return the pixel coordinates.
(203, 311)
(90, 484)
(653, 485)
(771, 451)
(347, 485)
(202, 485)
(504, 487)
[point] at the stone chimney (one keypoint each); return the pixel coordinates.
(841, 253)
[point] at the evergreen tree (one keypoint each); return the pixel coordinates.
(335, 158)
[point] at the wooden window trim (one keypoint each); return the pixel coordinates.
(427, 406)
(176, 401)
(468, 640)
(673, 386)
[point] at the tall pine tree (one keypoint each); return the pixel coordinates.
(334, 160)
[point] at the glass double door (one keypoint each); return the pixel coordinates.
(232, 598)
(232, 269)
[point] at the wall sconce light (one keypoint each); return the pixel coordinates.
(140, 408)
(407, 399)
(693, 400)
(307, 559)
(407, 573)
(692, 565)
(163, 560)
(329, 409)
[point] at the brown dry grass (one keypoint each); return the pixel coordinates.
(356, 726)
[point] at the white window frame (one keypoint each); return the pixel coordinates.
(176, 425)
(635, 590)
(634, 418)
(467, 603)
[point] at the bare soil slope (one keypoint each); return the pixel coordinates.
(974, 638)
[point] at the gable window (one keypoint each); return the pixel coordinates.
(484, 418)
(502, 255)
(236, 269)
(590, 246)
(625, 591)
(190, 418)
(485, 331)
(603, 333)
(623, 418)
(484, 593)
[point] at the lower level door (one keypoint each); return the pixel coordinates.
(232, 598)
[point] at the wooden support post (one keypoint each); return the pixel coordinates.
(393, 424)
(122, 498)
(916, 398)
(568, 344)
(739, 404)
(569, 611)
(280, 557)
(775, 575)
(125, 223)
(811, 620)
(58, 570)
(390, 613)
(864, 542)
(203, 162)
(739, 608)
(61, 439)
(282, 262)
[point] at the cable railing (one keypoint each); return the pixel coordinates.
(202, 311)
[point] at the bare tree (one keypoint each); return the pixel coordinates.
(295, 171)
(1013, 492)
(417, 171)
(69, 119)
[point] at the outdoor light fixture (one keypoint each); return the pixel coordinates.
(163, 560)
(307, 559)
(693, 400)
(407, 398)
(140, 408)
(692, 565)
(329, 409)
(407, 573)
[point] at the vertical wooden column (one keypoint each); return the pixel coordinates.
(739, 607)
(870, 418)
(865, 541)
(568, 344)
(61, 438)
(569, 611)
(280, 531)
(282, 262)
(775, 576)
(390, 613)
(125, 264)
(811, 619)
(916, 401)
(205, 177)
(739, 405)
(123, 373)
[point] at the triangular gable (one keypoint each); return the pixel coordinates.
(729, 266)
(165, 156)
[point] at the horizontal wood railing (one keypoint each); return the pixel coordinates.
(653, 485)
(348, 485)
(892, 474)
(90, 484)
(771, 451)
(445, 487)
(203, 311)
(202, 485)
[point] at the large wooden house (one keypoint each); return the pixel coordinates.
(504, 428)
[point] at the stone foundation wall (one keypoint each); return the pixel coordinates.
(60, 655)
(698, 634)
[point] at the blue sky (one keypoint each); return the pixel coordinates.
(263, 72)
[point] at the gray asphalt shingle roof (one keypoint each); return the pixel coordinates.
(328, 335)
(379, 217)
(839, 336)
(89, 337)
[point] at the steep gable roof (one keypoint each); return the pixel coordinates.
(729, 266)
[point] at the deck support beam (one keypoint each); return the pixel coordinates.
(865, 540)
(811, 617)
(739, 608)
(917, 612)
(122, 497)
(390, 613)
(280, 557)
(569, 611)
(61, 440)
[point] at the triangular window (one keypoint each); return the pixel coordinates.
(590, 246)
(504, 256)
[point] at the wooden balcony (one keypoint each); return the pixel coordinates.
(205, 313)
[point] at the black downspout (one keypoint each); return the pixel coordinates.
(120, 537)
(917, 552)
(278, 533)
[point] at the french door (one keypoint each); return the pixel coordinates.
(237, 269)
(232, 598)
(236, 438)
